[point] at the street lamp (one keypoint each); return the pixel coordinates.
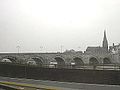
(41, 47)
(79, 48)
(18, 48)
(61, 48)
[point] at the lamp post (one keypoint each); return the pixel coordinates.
(61, 48)
(41, 47)
(18, 49)
(79, 48)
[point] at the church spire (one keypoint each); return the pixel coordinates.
(105, 42)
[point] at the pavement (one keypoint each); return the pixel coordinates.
(55, 85)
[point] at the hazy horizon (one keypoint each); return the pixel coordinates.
(46, 25)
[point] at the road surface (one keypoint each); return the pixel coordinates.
(60, 85)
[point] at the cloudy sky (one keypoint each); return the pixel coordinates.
(74, 24)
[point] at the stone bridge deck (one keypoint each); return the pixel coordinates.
(56, 59)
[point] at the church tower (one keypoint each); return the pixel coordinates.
(105, 42)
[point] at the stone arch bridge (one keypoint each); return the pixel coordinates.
(56, 59)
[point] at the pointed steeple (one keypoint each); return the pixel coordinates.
(105, 42)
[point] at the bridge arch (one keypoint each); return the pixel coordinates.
(60, 62)
(106, 60)
(93, 61)
(6, 60)
(77, 62)
(10, 59)
(36, 61)
(31, 62)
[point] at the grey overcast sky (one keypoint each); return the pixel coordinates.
(74, 24)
